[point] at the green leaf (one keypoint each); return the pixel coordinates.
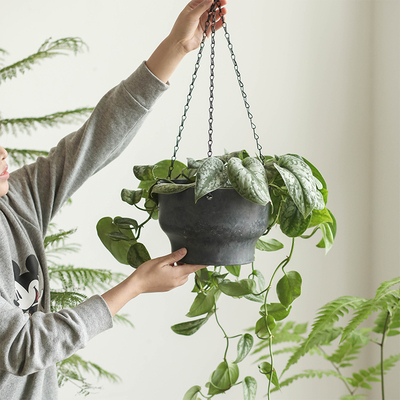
(289, 288)
(248, 178)
(118, 248)
(239, 288)
(203, 303)
(144, 172)
(233, 269)
(328, 233)
(137, 255)
(170, 188)
(316, 174)
(265, 326)
(266, 369)
(126, 223)
(260, 278)
(226, 375)
(249, 388)
(300, 183)
(269, 245)
(191, 394)
(292, 222)
(244, 346)
(210, 176)
(190, 327)
(131, 196)
(212, 390)
(278, 311)
(161, 169)
(319, 217)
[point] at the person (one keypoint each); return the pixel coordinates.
(33, 339)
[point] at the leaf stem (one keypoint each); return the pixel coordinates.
(225, 335)
(381, 344)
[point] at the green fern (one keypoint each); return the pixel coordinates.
(385, 299)
(361, 378)
(321, 337)
(21, 157)
(73, 370)
(48, 49)
(310, 373)
(350, 348)
(392, 325)
(60, 299)
(26, 125)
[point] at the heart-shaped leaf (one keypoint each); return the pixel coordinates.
(249, 388)
(248, 178)
(299, 181)
(289, 288)
(131, 196)
(203, 303)
(268, 245)
(191, 394)
(244, 346)
(137, 255)
(226, 375)
(292, 222)
(190, 327)
(210, 176)
(239, 288)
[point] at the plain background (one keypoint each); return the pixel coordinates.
(322, 79)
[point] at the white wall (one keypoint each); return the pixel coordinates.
(323, 81)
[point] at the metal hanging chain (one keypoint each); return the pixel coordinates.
(189, 96)
(212, 76)
(241, 85)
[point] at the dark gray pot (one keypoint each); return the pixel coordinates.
(222, 228)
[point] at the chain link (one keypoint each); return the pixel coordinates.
(241, 85)
(212, 16)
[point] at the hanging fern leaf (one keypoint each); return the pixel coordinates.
(58, 238)
(21, 157)
(2, 53)
(65, 299)
(310, 373)
(384, 300)
(321, 337)
(73, 369)
(390, 323)
(350, 348)
(361, 378)
(27, 125)
(48, 49)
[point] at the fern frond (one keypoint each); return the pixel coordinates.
(123, 319)
(48, 49)
(393, 325)
(21, 157)
(311, 373)
(290, 349)
(320, 338)
(361, 378)
(331, 312)
(58, 238)
(73, 368)
(385, 299)
(347, 351)
(27, 125)
(65, 299)
(71, 277)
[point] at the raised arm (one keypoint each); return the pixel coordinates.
(185, 36)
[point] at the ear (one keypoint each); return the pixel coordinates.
(17, 270)
(32, 265)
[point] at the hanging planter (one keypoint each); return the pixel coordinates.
(222, 208)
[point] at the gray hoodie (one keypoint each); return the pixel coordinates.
(32, 339)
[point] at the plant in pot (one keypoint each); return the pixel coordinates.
(219, 208)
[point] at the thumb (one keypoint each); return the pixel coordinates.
(174, 257)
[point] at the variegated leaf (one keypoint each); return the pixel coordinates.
(292, 222)
(210, 176)
(300, 183)
(171, 188)
(248, 178)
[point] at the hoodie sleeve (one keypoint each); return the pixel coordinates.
(34, 343)
(46, 184)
